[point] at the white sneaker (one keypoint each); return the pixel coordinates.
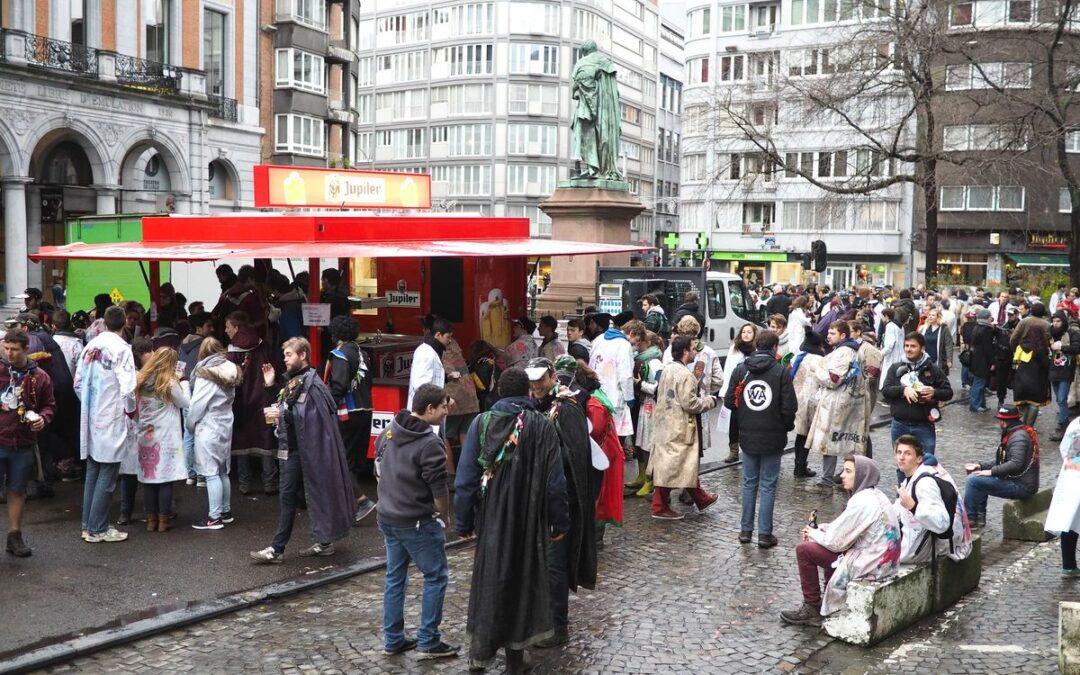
(108, 536)
(85, 535)
(189, 481)
(267, 556)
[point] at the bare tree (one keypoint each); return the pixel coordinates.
(879, 84)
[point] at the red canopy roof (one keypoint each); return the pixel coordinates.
(328, 235)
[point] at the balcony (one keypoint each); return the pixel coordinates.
(338, 112)
(145, 74)
(66, 59)
(223, 108)
(337, 51)
(43, 52)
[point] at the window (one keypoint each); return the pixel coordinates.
(700, 22)
(534, 59)
(534, 99)
(531, 139)
(463, 99)
(876, 216)
(467, 19)
(214, 52)
(470, 140)
(78, 22)
(439, 134)
(733, 19)
(698, 70)
(1064, 201)
(976, 137)
(1072, 141)
(805, 62)
(308, 12)
(403, 143)
(299, 69)
(629, 149)
(694, 167)
(815, 216)
(539, 222)
(983, 13)
(763, 18)
(468, 180)
(155, 14)
(715, 296)
(463, 60)
(757, 217)
(402, 67)
(365, 71)
(988, 75)
(299, 134)
(982, 198)
(363, 108)
(401, 28)
(960, 14)
(530, 179)
(535, 17)
(732, 68)
(590, 26)
(401, 105)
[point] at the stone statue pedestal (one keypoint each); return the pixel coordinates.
(591, 210)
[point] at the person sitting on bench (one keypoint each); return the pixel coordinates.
(928, 507)
(1014, 473)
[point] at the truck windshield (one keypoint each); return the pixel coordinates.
(740, 300)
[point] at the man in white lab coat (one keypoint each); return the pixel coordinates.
(612, 358)
(427, 365)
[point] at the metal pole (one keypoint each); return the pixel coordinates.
(155, 293)
(313, 296)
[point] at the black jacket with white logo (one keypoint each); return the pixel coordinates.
(762, 400)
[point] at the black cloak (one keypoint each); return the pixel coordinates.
(510, 600)
(573, 429)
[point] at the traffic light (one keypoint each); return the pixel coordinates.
(807, 261)
(819, 255)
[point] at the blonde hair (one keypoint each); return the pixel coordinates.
(160, 369)
(688, 325)
(209, 346)
(298, 345)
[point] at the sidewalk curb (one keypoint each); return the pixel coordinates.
(98, 639)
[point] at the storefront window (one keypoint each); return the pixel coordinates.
(365, 282)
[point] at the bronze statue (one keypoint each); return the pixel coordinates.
(597, 120)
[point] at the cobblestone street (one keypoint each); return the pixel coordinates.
(672, 597)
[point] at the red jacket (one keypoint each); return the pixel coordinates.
(37, 395)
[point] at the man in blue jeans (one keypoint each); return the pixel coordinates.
(413, 513)
(1014, 473)
(914, 389)
(762, 400)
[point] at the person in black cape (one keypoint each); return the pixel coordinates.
(511, 491)
(572, 560)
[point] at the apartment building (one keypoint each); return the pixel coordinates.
(665, 226)
(121, 107)
(478, 94)
(740, 210)
(1005, 209)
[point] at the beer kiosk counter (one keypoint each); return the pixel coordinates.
(470, 270)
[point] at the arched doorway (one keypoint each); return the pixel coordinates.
(63, 175)
(149, 180)
(221, 184)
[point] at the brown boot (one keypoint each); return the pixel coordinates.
(151, 522)
(164, 523)
(733, 454)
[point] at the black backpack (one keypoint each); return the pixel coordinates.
(949, 496)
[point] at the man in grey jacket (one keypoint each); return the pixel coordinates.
(414, 511)
(1014, 473)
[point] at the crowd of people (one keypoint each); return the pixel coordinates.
(525, 447)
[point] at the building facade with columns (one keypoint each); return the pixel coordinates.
(121, 107)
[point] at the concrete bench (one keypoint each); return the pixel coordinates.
(1023, 519)
(877, 609)
(1069, 638)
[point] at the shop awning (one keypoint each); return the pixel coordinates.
(193, 252)
(1040, 259)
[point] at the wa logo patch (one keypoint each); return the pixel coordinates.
(757, 395)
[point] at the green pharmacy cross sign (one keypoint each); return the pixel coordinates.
(671, 240)
(702, 241)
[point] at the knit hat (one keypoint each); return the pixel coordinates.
(983, 316)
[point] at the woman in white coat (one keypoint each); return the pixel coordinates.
(160, 399)
(210, 421)
(797, 323)
(892, 343)
(1063, 518)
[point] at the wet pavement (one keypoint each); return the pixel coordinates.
(672, 597)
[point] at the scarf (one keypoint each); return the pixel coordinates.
(915, 365)
(614, 334)
(854, 344)
(644, 358)
(439, 348)
(245, 339)
(599, 395)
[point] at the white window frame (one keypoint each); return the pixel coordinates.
(311, 13)
(304, 125)
(965, 191)
(290, 58)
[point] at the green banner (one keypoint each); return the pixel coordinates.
(756, 257)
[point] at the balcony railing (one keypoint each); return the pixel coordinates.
(223, 108)
(146, 74)
(45, 52)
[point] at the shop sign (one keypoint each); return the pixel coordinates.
(752, 257)
(315, 313)
(403, 298)
(380, 421)
(292, 186)
(1058, 241)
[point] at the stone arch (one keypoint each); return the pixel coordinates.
(11, 161)
(222, 173)
(61, 129)
(137, 147)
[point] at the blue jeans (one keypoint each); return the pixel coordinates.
(558, 583)
(1061, 393)
(763, 470)
(966, 378)
(978, 488)
(97, 494)
(425, 546)
(977, 397)
(189, 453)
(219, 492)
(292, 483)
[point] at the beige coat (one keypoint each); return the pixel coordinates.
(807, 392)
(674, 459)
(870, 359)
(839, 425)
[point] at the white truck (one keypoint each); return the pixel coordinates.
(723, 299)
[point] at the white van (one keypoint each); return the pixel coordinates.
(724, 301)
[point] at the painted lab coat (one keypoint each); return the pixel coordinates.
(160, 437)
(613, 361)
(892, 349)
(1064, 513)
(210, 415)
(930, 516)
(105, 384)
(711, 376)
(427, 368)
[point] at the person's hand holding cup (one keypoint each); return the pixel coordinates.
(271, 414)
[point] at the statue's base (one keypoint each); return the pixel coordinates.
(599, 183)
(582, 212)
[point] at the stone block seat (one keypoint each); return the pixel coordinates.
(1023, 519)
(877, 609)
